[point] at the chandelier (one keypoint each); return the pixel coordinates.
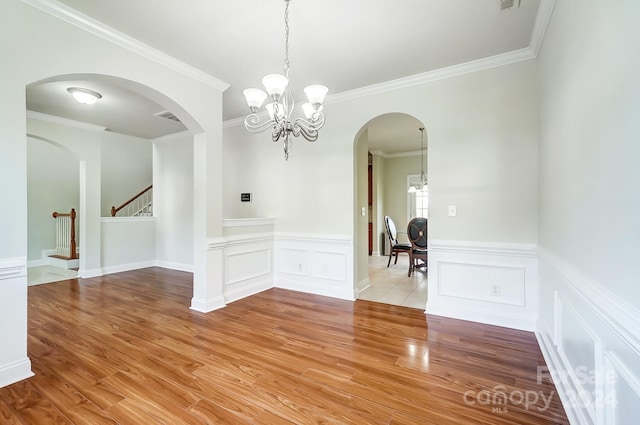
(422, 184)
(281, 106)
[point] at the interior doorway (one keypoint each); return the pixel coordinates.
(393, 153)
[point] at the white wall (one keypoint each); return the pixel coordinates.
(127, 169)
(482, 158)
(128, 243)
(53, 184)
(589, 200)
(43, 46)
(173, 201)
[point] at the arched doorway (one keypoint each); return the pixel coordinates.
(387, 154)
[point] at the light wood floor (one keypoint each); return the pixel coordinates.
(125, 349)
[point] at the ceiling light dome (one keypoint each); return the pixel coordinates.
(84, 96)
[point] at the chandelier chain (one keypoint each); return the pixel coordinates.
(286, 39)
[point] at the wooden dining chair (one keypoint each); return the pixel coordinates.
(395, 247)
(417, 234)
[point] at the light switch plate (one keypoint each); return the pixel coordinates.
(452, 211)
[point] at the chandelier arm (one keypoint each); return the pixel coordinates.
(253, 124)
(300, 129)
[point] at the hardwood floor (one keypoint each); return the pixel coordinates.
(125, 349)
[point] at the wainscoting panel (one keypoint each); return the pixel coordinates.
(248, 265)
(14, 363)
(320, 265)
(590, 343)
(483, 282)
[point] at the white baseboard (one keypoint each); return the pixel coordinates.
(11, 268)
(364, 284)
(14, 372)
(89, 273)
(174, 266)
(207, 306)
(127, 267)
(247, 290)
(482, 315)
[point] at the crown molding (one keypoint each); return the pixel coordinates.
(398, 155)
(545, 10)
(426, 77)
(435, 75)
(95, 27)
(64, 121)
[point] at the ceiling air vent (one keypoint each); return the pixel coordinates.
(508, 4)
(168, 115)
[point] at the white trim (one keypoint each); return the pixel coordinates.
(615, 312)
(11, 268)
(502, 59)
(127, 267)
(243, 222)
(15, 371)
(174, 266)
(474, 247)
(315, 239)
(64, 121)
(545, 10)
(565, 392)
(95, 27)
(399, 155)
(136, 219)
(435, 75)
(244, 239)
(248, 290)
(495, 318)
(216, 243)
(207, 306)
(89, 273)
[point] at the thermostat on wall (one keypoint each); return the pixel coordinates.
(245, 197)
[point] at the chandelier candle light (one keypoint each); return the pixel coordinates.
(422, 184)
(281, 107)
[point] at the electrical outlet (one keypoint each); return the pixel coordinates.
(495, 290)
(452, 211)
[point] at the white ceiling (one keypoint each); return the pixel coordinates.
(346, 45)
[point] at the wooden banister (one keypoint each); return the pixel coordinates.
(115, 210)
(73, 253)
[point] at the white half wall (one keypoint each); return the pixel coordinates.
(321, 265)
(14, 363)
(128, 243)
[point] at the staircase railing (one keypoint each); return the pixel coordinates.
(66, 235)
(140, 204)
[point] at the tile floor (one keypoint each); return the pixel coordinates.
(392, 286)
(45, 274)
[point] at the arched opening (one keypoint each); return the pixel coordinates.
(388, 156)
(115, 141)
(53, 185)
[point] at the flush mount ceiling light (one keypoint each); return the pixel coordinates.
(422, 184)
(85, 96)
(281, 107)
